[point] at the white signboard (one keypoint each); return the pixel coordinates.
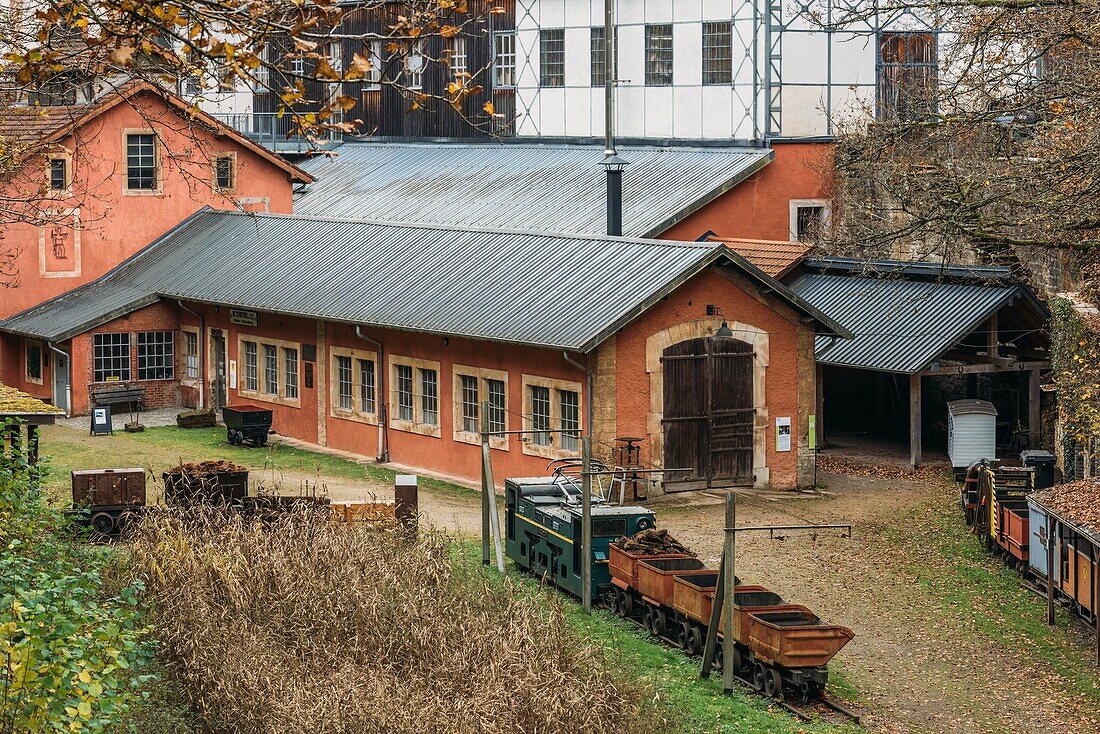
(232, 374)
(783, 434)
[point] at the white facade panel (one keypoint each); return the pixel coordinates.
(789, 89)
(552, 111)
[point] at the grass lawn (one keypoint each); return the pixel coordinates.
(977, 592)
(159, 449)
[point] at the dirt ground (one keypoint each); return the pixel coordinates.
(916, 662)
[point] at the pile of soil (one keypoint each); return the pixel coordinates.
(206, 468)
(653, 542)
(1079, 501)
(204, 418)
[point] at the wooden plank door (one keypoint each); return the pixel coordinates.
(708, 413)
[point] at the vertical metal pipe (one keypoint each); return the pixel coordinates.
(586, 522)
(1050, 567)
(609, 73)
(729, 582)
(614, 202)
(485, 488)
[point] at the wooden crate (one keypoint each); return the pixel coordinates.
(108, 487)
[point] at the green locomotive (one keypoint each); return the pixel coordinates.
(543, 531)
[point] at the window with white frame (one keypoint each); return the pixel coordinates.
(552, 417)
(552, 57)
(367, 395)
(718, 53)
(355, 376)
(504, 60)
(809, 219)
(271, 370)
(111, 357)
(414, 67)
(156, 355)
(472, 387)
(191, 355)
(415, 405)
(658, 55)
(569, 410)
(251, 374)
(404, 390)
(343, 382)
(298, 66)
(456, 58)
(33, 354)
(290, 372)
(374, 76)
(141, 161)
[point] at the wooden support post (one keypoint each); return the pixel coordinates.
(915, 420)
(406, 509)
(1051, 540)
(820, 406)
(729, 580)
(1096, 596)
(1034, 417)
(485, 488)
(489, 515)
(586, 522)
(32, 444)
(991, 346)
(710, 647)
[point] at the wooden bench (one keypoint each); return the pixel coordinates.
(131, 395)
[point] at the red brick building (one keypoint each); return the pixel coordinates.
(100, 181)
(383, 339)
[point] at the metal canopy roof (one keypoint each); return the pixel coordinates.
(560, 291)
(547, 187)
(898, 325)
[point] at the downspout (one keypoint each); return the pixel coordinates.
(383, 402)
(68, 383)
(202, 352)
(588, 389)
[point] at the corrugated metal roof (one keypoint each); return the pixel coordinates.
(897, 325)
(549, 187)
(561, 291)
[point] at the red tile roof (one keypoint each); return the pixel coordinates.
(774, 257)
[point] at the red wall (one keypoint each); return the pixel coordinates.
(114, 225)
(689, 303)
(759, 207)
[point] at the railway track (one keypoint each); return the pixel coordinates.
(821, 708)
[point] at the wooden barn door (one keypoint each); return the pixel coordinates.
(708, 413)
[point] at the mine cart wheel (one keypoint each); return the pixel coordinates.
(802, 693)
(647, 617)
(718, 654)
(262, 441)
(758, 676)
(683, 637)
(628, 604)
(695, 640)
(660, 621)
(738, 661)
(773, 683)
(128, 519)
(103, 523)
(231, 437)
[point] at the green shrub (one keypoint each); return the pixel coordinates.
(70, 652)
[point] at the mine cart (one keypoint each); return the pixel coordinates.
(246, 423)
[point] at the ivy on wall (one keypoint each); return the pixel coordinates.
(1075, 359)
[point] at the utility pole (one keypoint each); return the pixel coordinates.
(586, 522)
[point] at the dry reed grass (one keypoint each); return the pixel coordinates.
(306, 626)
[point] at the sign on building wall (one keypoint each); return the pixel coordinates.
(232, 374)
(242, 317)
(783, 434)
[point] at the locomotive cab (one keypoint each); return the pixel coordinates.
(543, 531)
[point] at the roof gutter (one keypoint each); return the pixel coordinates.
(202, 352)
(383, 438)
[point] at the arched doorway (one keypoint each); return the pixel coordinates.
(708, 418)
